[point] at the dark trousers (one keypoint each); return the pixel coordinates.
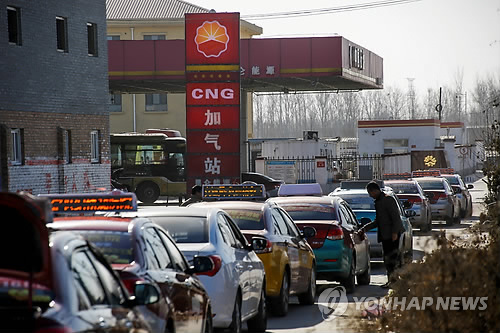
(391, 255)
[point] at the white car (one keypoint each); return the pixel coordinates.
(236, 285)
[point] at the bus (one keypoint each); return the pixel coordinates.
(149, 164)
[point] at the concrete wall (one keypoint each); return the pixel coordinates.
(298, 148)
(371, 139)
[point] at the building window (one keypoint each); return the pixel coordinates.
(14, 25)
(115, 102)
(395, 146)
(92, 39)
(17, 146)
(95, 154)
(62, 34)
(154, 37)
(67, 146)
(156, 102)
(113, 37)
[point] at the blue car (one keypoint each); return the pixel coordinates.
(364, 207)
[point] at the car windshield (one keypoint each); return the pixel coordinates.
(452, 180)
(403, 188)
(184, 229)
(310, 212)
(431, 185)
(247, 219)
(115, 245)
(359, 202)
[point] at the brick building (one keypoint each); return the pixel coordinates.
(54, 121)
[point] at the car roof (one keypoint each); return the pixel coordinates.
(232, 204)
(84, 224)
(191, 210)
(305, 200)
(437, 179)
(399, 181)
(347, 191)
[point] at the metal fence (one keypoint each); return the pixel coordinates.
(338, 168)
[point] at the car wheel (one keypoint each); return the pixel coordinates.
(349, 281)
(280, 305)
(148, 192)
(364, 278)
(235, 326)
(309, 296)
(259, 322)
(209, 328)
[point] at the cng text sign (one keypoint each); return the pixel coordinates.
(212, 98)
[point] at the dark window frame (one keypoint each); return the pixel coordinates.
(92, 41)
(14, 25)
(17, 148)
(62, 34)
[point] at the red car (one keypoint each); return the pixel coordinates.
(140, 250)
(60, 283)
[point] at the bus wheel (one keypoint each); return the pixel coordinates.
(147, 192)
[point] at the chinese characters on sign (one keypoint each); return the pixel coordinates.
(213, 98)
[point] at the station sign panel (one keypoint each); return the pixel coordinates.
(213, 38)
(215, 117)
(213, 98)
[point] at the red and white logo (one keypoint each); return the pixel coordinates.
(211, 39)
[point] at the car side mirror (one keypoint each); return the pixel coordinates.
(200, 265)
(470, 186)
(429, 195)
(410, 213)
(259, 243)
(145, 293)
(364, 221)
(308, 232)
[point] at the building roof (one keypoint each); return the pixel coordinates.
(149, 9)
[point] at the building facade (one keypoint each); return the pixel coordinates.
(54, 122)
(379, 137)
(155, 20)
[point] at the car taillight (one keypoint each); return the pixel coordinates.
(268, 249)
(335, 233)
(130, 282)
(442, 196)
(217, 261)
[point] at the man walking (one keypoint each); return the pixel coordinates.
(389, 224)
(195, 196)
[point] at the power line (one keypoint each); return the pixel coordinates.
(330, 10)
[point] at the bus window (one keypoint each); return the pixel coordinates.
(116, 155)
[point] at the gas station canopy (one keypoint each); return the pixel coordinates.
(267, 65)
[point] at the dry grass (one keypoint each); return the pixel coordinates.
(455, 269)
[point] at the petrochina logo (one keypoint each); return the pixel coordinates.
(211, 39)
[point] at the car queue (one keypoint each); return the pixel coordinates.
(211, 265)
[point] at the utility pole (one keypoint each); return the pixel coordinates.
(439, 107)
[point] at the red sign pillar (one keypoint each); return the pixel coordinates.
(213, 98)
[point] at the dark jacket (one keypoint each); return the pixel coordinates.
(191, 201)
(387, 218)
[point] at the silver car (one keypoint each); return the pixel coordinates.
(444, 203)
(413, 198)
(236, 284)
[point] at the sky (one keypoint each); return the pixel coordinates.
(431, 41)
